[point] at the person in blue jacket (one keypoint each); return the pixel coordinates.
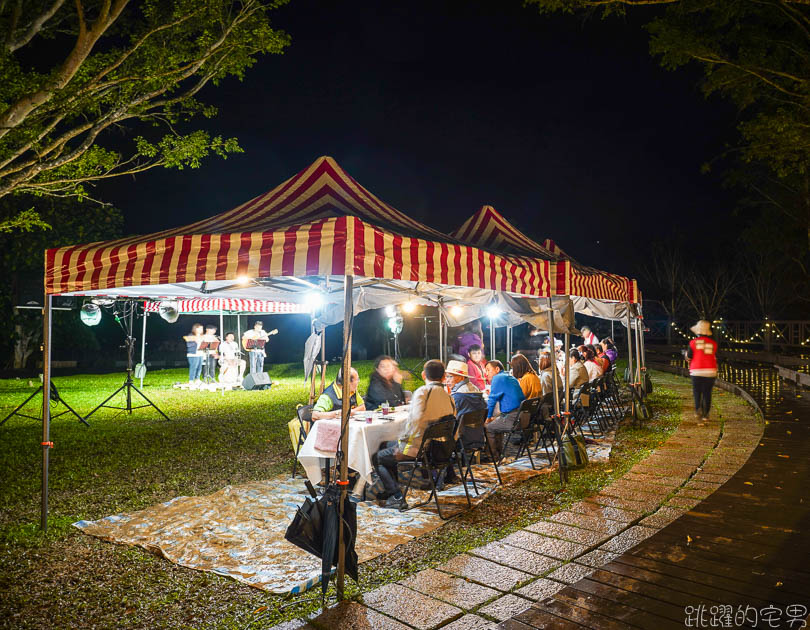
(506, 393)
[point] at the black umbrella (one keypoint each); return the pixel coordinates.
(315, 530)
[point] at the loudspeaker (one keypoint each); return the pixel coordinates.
(256, 381)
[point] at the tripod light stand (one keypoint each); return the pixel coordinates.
(126, 321)
(55, 398)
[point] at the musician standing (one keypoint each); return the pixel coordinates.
(257, 354)
(211, 354)
(194, 354)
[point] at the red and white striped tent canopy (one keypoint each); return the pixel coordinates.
(488, 229)
(318, 225)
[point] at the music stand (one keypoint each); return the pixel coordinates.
(209, 347)
(56, 397)
(129, 384)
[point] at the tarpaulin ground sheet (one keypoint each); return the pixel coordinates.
(238, 531)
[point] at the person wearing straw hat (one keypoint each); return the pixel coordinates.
(702, 355)
(466, 396)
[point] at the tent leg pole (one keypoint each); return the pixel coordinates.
(629, 345)
(46, 409)
(508, 342)
(555, 389)
(323, 361)
(348, 312)
(567, 365)
(441, 331)
(492, 353)
(143, 344)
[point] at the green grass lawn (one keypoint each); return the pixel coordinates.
(124, 463)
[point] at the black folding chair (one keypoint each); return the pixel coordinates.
(521, 429)
(437, 452)
(542, 426)
(472, 440)
(304, 414)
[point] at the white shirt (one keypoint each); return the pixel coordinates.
(228, 350)
(594, 371)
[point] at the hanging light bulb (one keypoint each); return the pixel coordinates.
(493, 312)
(456, 310)
(408, 307)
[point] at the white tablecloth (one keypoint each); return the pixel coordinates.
(364, 440)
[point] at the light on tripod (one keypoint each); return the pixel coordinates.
(168, 310)
(390, 310)
(395, 324)
(493, 312)
(90, 314)
(314, 300)
(408, 307)
(456, 311)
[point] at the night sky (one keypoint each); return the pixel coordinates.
(568, 127)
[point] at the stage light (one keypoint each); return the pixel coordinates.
(314, 300)
(493, 312)
(456, 311)
(90, 314)
(102, 301)
(243, 280)
(168, 310)
(390, 310)
(395, 324)
(408, 307)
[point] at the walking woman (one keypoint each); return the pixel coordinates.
(702, 355)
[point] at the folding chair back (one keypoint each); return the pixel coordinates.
(304, 414)
(437, 451)
(472, 440)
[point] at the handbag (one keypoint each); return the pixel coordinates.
(573, 454)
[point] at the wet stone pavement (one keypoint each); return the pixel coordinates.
(502, 584)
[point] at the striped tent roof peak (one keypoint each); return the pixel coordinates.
(490, 229)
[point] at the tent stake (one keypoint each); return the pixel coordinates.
(348, 311)
(46, 409)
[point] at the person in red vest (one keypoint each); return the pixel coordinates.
(702, 355)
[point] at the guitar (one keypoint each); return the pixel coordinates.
(249, 343)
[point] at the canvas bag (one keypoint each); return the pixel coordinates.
(573, 454)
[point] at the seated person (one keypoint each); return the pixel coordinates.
(610, 350)
(600, 358)
(588, 336)
(588, 356)
(385, 385)
(466, 396)
(505, 391)
(477, 367)
(428, 404)
(577, 373)
(523, 371)
(547, 373)
(330, 403)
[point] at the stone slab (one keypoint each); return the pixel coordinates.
(448, 588)
(353, 616)
(469, 622)
(586, 537)
(407, 605)
(605, 512)
(517, 558)
(588, 522)
(628, 539)
(540, 589)
(553, 547)
(485, 572)
(597, 558)
(506, 607)
(571, 573)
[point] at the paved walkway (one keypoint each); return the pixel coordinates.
(523, 579)
(737, 559)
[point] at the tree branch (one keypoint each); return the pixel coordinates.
(35, 27)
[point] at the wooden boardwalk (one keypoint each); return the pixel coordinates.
(741, 557)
